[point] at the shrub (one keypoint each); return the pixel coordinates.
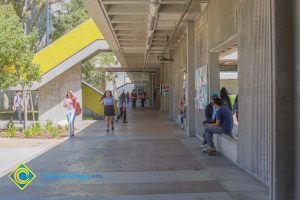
(11, 130)
(28, 132)
(54, 132)
(36, 128)
(66, 127)
(48, 125)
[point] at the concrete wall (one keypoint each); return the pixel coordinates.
(255, 87)
(179, 64)
(51, 96)
(223, 23)
(201, 37)
(297, 92)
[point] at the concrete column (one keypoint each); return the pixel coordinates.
(171, 83)
(162, 79)
(213, 73)
(166, 70)
(190, 99)
(297, 92)
(283, 79)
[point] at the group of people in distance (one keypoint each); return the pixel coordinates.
(110, 106)
(219, 118)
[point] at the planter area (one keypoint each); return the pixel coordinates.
(35, 130)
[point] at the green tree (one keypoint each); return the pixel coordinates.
(71, 14)
(16, 53)
(94, 71)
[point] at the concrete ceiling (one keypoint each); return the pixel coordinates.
(138, 31)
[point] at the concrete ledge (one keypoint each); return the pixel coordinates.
(227, 145)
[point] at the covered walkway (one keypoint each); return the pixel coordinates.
(148, 158)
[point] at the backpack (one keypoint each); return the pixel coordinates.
(77, 108)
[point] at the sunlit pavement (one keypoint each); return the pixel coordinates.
(148, 158)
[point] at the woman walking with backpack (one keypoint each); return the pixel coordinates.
(109, 103)
(71, 104)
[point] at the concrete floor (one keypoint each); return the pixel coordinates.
(146, 159)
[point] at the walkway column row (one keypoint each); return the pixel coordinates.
(190, 98)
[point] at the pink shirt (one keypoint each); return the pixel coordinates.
(69, 103)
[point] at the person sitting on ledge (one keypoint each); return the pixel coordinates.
(210, 112)
(223, 124)
(210, 115)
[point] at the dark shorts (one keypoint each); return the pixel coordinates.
(109, 110)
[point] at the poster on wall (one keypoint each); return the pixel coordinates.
(201, 87)
(165, 89)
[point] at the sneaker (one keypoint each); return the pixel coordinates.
(112, 128)
(209, 149)
(203, 146)
(204, 143)
(182, 127)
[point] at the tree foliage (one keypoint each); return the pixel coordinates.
(16, 52)
(71, 14)
(94, 71)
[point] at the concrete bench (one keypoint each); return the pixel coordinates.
(226, 144)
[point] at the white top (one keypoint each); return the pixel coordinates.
(17, 101)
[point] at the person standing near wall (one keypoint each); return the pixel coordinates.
(236, 107)
(109, 103)
(69, 104)
(17, 107)
(225, 99)
(154, 97)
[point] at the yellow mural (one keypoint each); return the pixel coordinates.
(91, 99)
(66, 46)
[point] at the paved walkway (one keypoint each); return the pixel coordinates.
(16, 150)
(143, 160)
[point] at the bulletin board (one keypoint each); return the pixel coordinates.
(201, 87)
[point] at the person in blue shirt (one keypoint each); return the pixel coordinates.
(223, 124)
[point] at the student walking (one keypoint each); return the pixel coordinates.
(133, 98)
(127, 98)
(122, 106)
(108, 101)
(143, 98)
(69, 104)
(17, 107)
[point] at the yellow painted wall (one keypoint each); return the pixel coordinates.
(66, 46)
(91, 99)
